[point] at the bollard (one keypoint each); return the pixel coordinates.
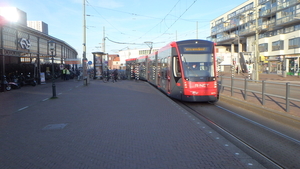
(245, 89)
(85, 82)
(232, 86)
(284, 73)
(287, 97)
(263, 90)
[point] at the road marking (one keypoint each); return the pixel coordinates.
(23, 108)
(45, 99)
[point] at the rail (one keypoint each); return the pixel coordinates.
(262, 85)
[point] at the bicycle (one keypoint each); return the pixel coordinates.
(105, 78)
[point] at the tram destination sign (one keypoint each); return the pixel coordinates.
(196, 49)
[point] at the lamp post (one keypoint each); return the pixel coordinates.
(256, 72)
(150, 45)
(52, 48)
(238, 59)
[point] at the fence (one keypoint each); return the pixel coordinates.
(287, 91)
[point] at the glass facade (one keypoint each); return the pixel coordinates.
(9, 38)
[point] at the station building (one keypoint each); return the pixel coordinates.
(268, 29)
(26, 50)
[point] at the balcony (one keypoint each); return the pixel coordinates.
(248, 31)
(287, 4)
(289, 20)
(226, 39)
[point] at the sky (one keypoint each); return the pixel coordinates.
(128, 24)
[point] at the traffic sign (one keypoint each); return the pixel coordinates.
(90, 62)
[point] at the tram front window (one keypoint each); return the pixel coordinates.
(198, 67)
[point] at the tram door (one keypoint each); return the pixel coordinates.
(168, 62)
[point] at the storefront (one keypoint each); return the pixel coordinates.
(273, 65)
(292, 65)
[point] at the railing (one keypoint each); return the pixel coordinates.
(260, 88)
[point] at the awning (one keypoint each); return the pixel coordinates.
(72, 61)
(224, 63)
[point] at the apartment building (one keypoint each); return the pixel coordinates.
(265, 33)
(38, 25)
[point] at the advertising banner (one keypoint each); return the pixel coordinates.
(43, 79)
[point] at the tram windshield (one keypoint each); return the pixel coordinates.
(198, 67)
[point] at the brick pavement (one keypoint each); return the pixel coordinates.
(108, 125)
(273, 104)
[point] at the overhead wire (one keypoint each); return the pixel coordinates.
(176, 19)
(163, 19)
(105, 19)
(130, 13)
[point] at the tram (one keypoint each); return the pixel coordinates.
(184, 70)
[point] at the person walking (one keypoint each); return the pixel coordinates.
(64, 73)
(67, 74)
(115, 75)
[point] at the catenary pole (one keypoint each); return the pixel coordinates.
(84, 48)
(256, 77)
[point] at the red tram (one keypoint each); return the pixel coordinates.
(184, 70)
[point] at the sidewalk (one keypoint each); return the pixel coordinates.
(109, 125)
(253, 101)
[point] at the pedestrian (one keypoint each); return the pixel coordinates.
(80, 75)
(115, 74)
(64, 73)
(67, 74)
(77, 73)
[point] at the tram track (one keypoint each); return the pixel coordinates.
(269, 146)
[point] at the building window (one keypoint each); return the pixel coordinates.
(297, 27)
(263, 47)
(144, 52)
(278, 45)
(9, 38)
(25, 60)
(294, 43)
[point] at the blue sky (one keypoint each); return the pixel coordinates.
(126, 21)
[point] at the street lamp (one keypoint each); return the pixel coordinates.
(52, 48)
(150, 45)
(257, 53)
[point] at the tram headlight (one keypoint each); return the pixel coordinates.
(185, 84)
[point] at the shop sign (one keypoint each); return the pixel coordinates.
(25, 43)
